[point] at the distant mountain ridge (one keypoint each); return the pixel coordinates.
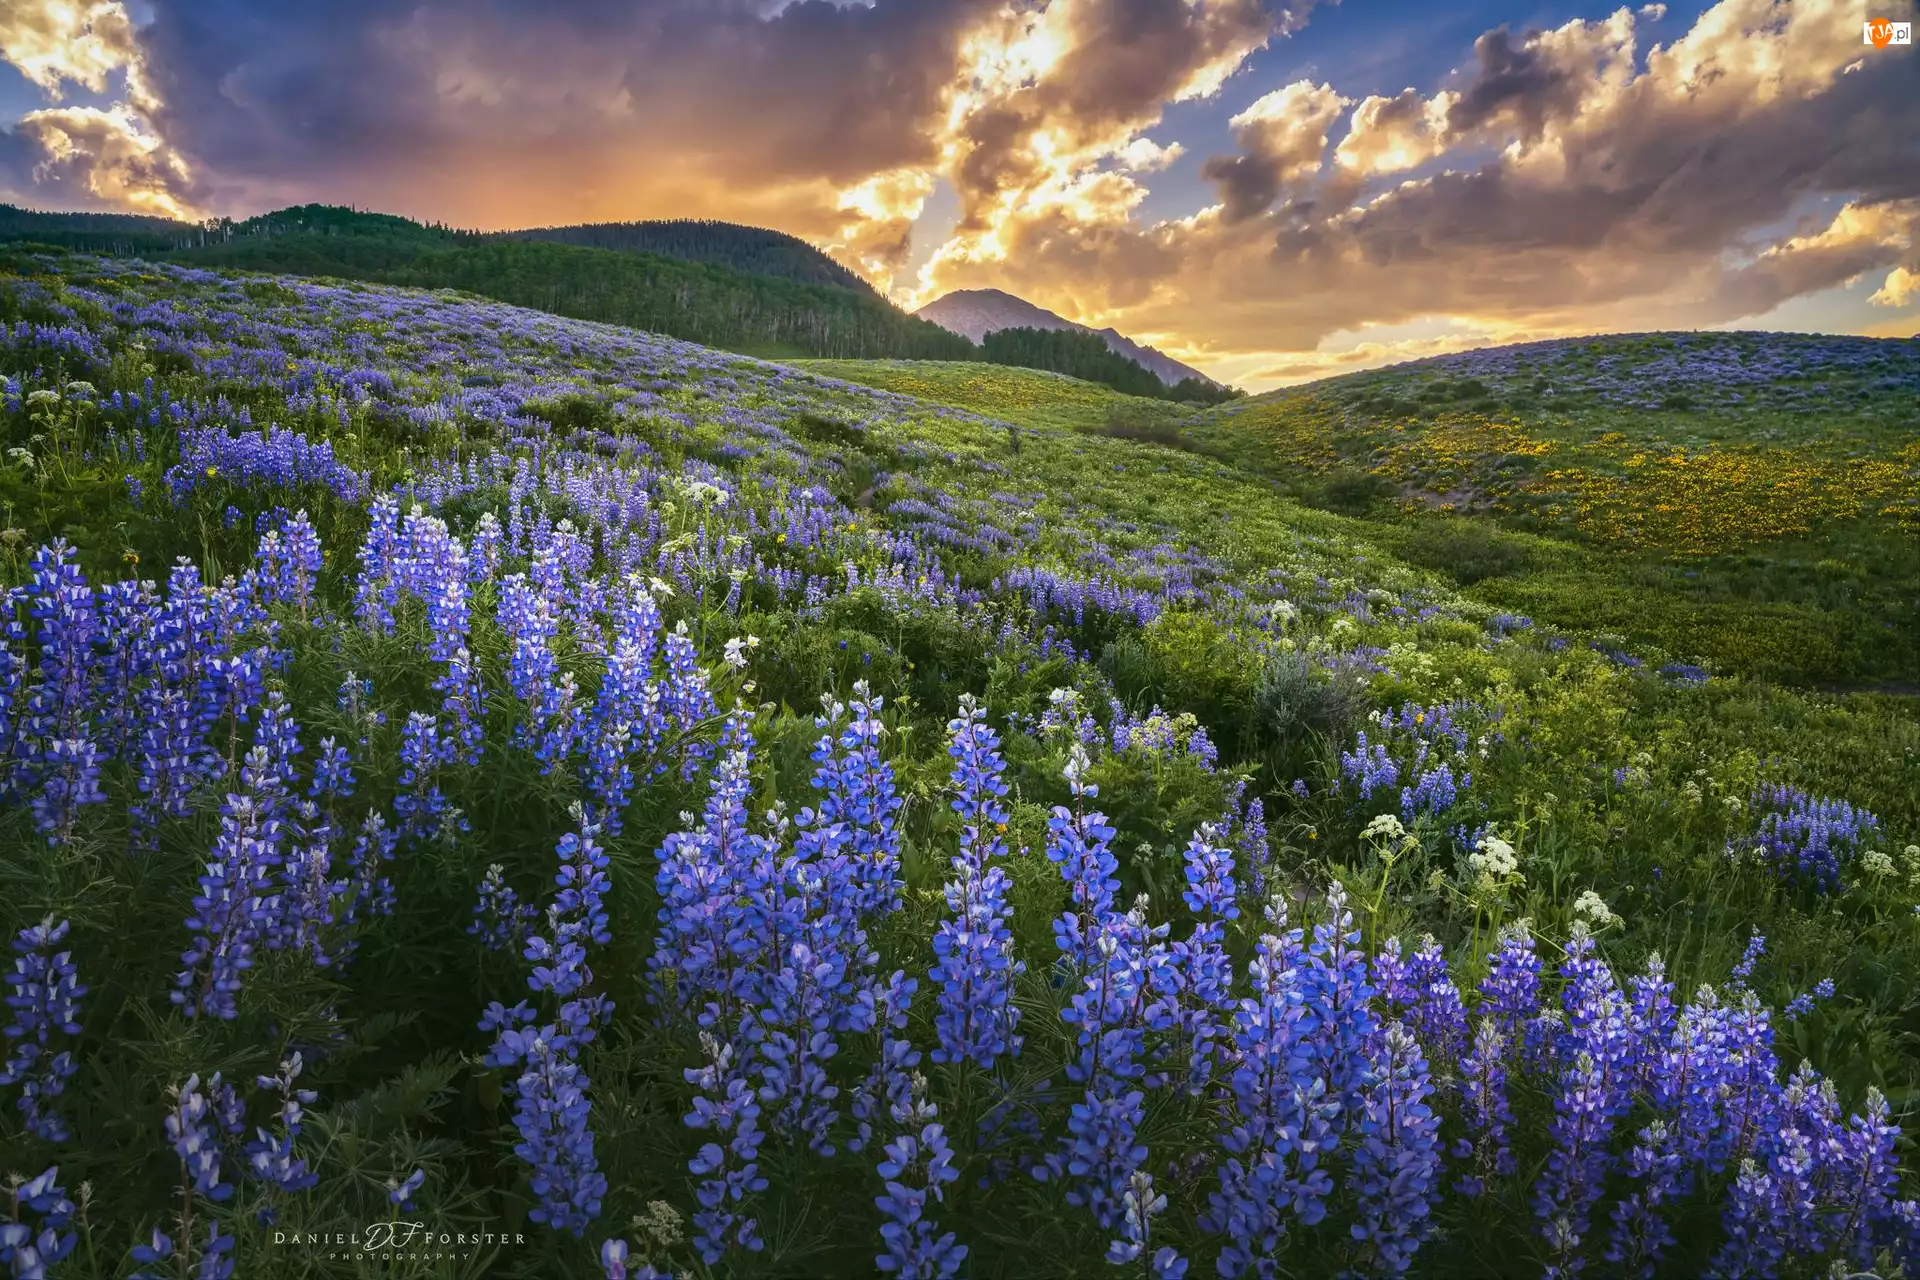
(974, 313)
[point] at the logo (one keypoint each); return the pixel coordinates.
(1880, 32)
(397, 1242)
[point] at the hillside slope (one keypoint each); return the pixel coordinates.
(805, 305)
(1750, 498)
(699, 301)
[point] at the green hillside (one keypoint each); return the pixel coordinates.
(817, 314)
(744, 289)
(699, 301)
(1749, 499)
(1031, 397)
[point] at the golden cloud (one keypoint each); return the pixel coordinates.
(110, 159)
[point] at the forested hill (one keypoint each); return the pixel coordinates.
(698, 301)
(755, 250)
(794, 308)
(1080, 353)
(115, 233)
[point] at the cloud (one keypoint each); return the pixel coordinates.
(1899, 288)
(102, 159)
(53, 43)
(1283, 138)
(1392, 135)
(83, 155)
(1143, 155)
(1056, 90)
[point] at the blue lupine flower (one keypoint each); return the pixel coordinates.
(31, 1248)
(916, 1169)
(1488, 1114)
(974, 965)
(1336, 985)
(1806, 837)
(45, 1004)
(1280, 1126)
(1511, 991)
(556, 1141)
(197, 1125)
(270, 1156)
(1640, 1235)
(420, 804)
(232, 912)
(400, 1191)
(1396, 1164)
(500, 919)
(1078, 842)
(726, 1109)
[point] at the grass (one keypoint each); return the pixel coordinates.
(1031, 397)
(1673, 526)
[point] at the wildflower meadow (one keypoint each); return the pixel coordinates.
(484, 794)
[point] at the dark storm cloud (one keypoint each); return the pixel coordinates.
(1283, 138)
(313, 93)
(1248, 184)
(1520, 81)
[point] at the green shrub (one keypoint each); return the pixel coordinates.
(1466, 551)
(1295, 695)
(1354, 492)
(1143, 427)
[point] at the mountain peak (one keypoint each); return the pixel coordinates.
(974, 313)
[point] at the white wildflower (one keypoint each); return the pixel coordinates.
(1494, 858)
(1078, 763)
(736, 655)
(1597, 913)
(1876, 862)
(1384, 827)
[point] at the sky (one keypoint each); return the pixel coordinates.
(1270, 190)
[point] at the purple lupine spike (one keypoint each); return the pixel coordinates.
(1396, 1164)
(974, 965)
(1488, 1114)
(45, 1004)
